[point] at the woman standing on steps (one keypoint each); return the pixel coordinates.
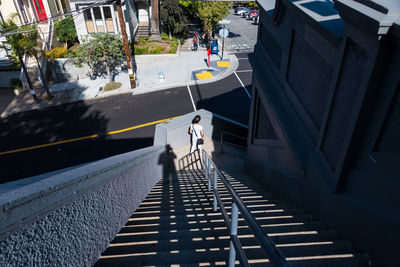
(196, 130)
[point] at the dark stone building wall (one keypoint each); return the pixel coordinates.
(325, 118)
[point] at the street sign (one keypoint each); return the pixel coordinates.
(224, 21)
(223, 32)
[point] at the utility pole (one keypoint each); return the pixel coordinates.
(126, 45)
(155, 20)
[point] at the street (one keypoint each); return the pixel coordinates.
(242, 34)
(60, 137)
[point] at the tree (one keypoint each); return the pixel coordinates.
(32, 48)
(16, 42)
(99, 51)
(211, 13)
(65, 30)
(155, 19)
(173, 17)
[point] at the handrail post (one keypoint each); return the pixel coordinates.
(222, 144)
(208, 173)
(202, 158)
(215, 187)
(234, 225)
(206, 170)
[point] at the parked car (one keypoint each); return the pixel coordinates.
(252, 14)
(239, 10)
(245, 13)
(256, 19)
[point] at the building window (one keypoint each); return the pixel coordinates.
(89, 21)
(108, 18)
(57, 6)
(99, 19)
(23, 12)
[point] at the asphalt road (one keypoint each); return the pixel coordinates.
(242, 34)
(226, 97)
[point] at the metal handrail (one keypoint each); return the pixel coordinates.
(231, 134)
(274, 254)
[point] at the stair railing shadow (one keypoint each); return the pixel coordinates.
(235, 248)
(191, 163)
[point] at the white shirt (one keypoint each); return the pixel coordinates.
(196, 128)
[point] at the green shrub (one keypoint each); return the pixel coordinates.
(156, 50)
(172, 50)
(71, 53)
(142, 41)
(141, 51)
(164, 36)
(174, 44)
(182, 40)
(65, 30)
(112, 86)
(57, 52)
(16, 84)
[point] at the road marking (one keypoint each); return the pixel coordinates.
(191, 97)
(204, 75)
(244, 70)
(223, 64)
(244, 87)
(84, 137)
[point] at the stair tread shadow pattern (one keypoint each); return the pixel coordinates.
(176, 226)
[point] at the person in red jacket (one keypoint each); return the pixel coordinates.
(195, 42)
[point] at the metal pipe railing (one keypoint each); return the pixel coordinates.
(272, 252)
(231, 134)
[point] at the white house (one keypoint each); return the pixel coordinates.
(103, 18)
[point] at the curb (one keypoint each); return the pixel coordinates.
(225, 73)
(234, 65)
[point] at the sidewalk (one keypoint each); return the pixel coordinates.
(181, 69)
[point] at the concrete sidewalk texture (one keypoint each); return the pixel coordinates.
(181, 69)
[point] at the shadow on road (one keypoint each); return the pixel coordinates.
(76, 121)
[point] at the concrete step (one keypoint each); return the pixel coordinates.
(221, 225)
(156, 220)
(304, 249)
(176, 225)
(212, 256)
(211, 214)
(167, 258)
(278, 235)
(180, 208)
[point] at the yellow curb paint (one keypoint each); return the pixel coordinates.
(204, 75)
(139, 126)
(223, 64)
(84, 137)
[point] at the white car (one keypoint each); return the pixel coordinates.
(240, 10)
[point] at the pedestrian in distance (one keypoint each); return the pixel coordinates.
(196, 130)
(195, 42)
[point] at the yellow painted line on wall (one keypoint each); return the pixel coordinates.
(223, 64)
(204, 75)
(84, 137)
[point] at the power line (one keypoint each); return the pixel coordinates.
(79, 11)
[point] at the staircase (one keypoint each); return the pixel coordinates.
(176, 226)
(143, 30)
